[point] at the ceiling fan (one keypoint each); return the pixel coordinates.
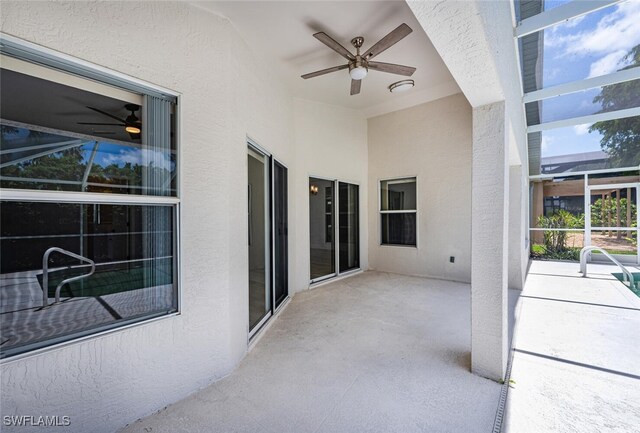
(359, 64)
(131, 124)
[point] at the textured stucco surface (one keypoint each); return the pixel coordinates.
(518, 227)
(433, 142)
(489, 242)
(227, 92)
(347, 357)
(475, 39)
(331, 142)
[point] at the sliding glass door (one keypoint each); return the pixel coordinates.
(280, 234)
(322, 228)
(333, 204)
(259, 238)
(268, 236)
(349, 227)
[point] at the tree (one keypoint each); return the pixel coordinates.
(621, 137)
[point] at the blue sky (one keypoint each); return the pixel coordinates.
(592, 45)
(110, 153)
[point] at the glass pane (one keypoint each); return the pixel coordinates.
(591, 45)
(398, 194)
(31, 100)
(399, 229)
(558, 203)
(133, 250)
(556, 245)
(592, 101)
(33, 159)
(62, 137)
(609, 144)
(259, 296)
(528, 8)
(321, 228)
(349, 227)
(281, 235)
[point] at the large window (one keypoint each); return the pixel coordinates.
(398, 211)
(89, 209)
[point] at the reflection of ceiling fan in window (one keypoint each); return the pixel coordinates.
(131, 124)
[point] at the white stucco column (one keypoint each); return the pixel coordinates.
(518, 219)
(489, 242)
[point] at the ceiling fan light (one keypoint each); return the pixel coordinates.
(358, 73)
(132, 129)
(401, 86)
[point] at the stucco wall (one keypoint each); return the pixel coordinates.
(330, 142)
(433, 142)
(227, 93)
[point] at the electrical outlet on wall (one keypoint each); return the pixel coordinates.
(452, 259)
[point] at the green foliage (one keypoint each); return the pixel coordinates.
(602, 211)
(621, 137)
(541, 253)
(604, 214)
(64, 165)
(555, 242)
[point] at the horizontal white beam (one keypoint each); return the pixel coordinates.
(66, 145)
(600, 117)
(542, 229)
(613, 186)
(614, 229)
(589, 83)
(84, 197)
(550, 176)
(559, 14)
(593, 229)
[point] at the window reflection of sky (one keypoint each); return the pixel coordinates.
(107, 153)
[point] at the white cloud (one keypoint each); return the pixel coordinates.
(611, 39)
(569, 24)
(546, 142)
(606, 65)
(581, 129)
(144, 157)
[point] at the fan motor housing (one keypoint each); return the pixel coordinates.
(357, 42)
(359, 62)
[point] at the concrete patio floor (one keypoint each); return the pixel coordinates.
(374, 352)
(576, 360)
(381, 352)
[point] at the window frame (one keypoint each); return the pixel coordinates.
(28, 52)
(382, 212)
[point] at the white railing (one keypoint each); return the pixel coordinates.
(45, 273)
(583, 263)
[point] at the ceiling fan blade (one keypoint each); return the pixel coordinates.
(355, 87)
(395, 36)
(335, 46)
(392, 68)
(324, 71)
(107, 114)
(94, 123)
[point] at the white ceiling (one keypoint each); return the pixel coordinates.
(283, 32)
